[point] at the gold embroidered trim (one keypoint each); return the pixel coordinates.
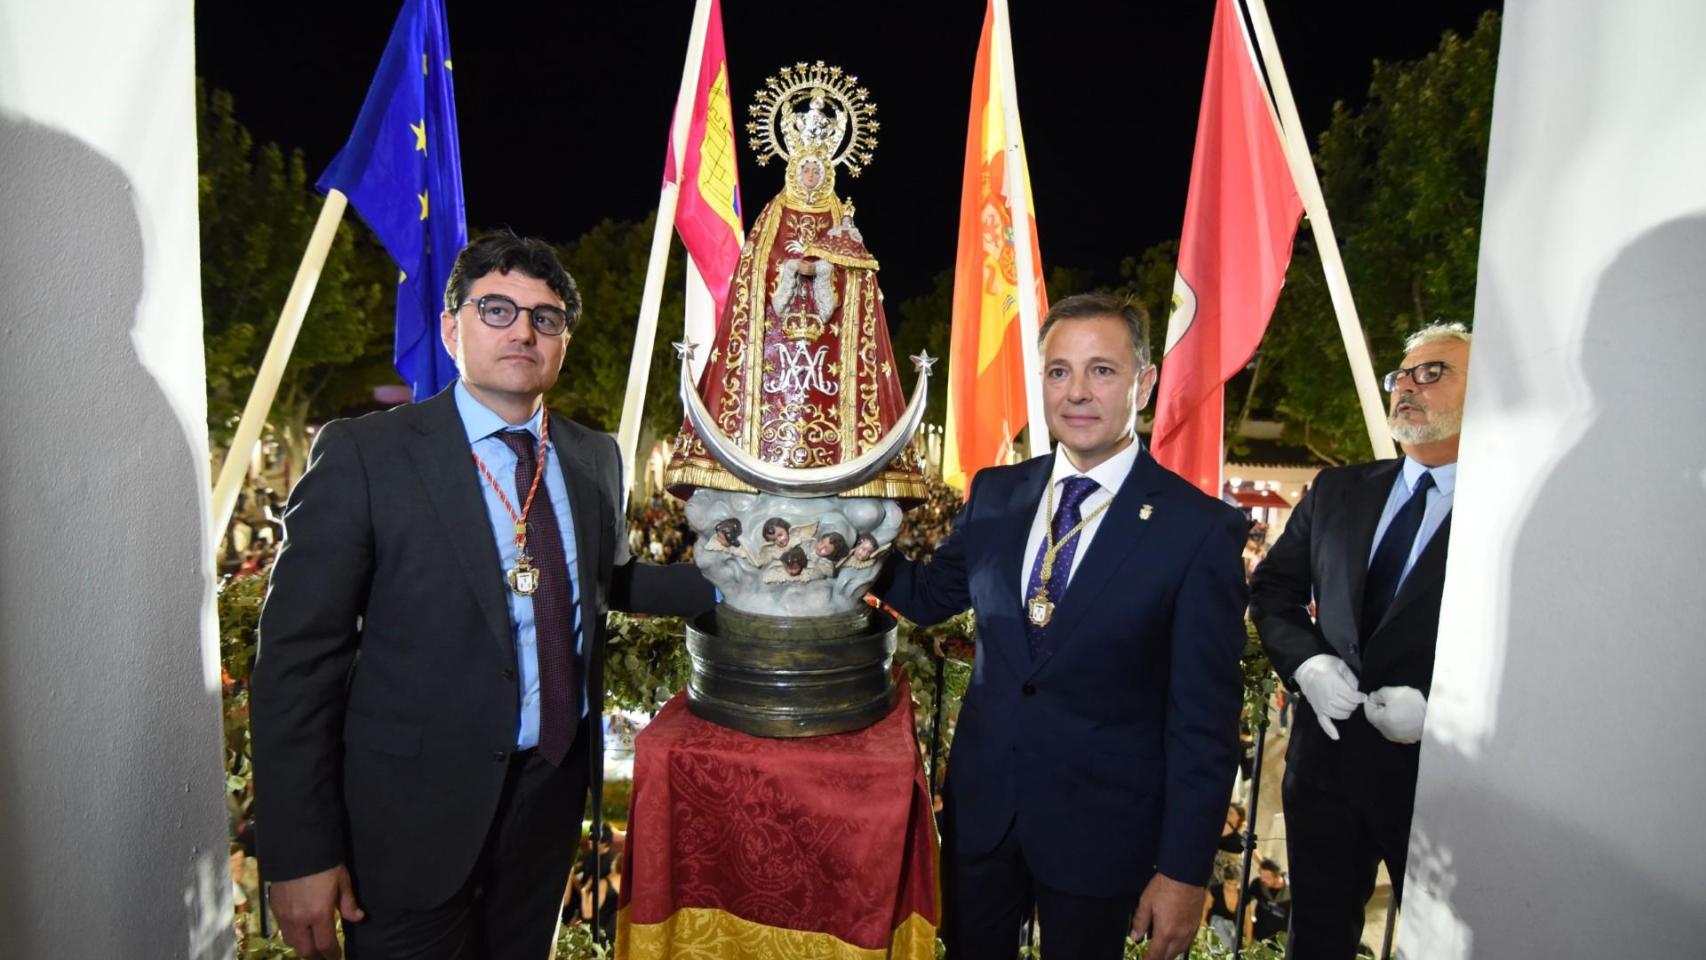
(706, 934)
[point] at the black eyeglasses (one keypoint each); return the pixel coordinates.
(497, 310)
(1421, 374)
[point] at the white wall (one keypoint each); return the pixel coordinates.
(1563, 771)
(112, 823)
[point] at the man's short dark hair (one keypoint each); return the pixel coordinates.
(503, 251)
(1083, 306)
(1272, 866)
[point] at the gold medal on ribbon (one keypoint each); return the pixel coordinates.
(1041, 609)
(524, 577)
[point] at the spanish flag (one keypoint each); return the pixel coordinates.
(1241, 216)
(707, 212)
(986, 380)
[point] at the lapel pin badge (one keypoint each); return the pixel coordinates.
(1143, 514)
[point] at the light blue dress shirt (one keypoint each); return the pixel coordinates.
(482, 426)
(1438, 507)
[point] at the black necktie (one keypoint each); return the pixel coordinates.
(553, 607)
(1387, 567)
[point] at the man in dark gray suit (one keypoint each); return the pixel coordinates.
(1367, 544)
(427, 698)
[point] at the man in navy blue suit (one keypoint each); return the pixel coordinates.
(1096, 746)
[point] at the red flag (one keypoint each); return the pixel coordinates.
(707, 213)
(1241, 216)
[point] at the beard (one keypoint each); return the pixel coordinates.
(1439, 425)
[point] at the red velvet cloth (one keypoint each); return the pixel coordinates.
(827, 834)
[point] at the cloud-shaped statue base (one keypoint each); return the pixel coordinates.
(790, 556)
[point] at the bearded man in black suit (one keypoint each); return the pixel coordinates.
(427, 699)
(1367, 544)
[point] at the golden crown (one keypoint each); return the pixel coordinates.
(813, 109)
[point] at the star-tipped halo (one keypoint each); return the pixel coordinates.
(684, 349)
(923, 361)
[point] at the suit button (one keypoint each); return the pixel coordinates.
(509, 674)
(1029, 689)
(500, 756)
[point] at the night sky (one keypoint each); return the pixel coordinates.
(564, 106)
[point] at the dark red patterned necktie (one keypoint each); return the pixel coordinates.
(553, 608)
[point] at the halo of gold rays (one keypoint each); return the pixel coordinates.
(789, 86)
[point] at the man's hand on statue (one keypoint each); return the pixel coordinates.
(307, 909)
(1330, 687)
(1397, 712)
(1168, 913)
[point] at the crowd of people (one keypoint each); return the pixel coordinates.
(658, 530)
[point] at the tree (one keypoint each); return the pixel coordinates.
(1403, 178)
(608, 263)
(257, 208)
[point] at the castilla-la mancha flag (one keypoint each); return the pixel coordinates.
(707, 212)
(986, 377)
(1241, 216)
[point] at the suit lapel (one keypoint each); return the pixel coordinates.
(1021, 506)
(1361, 517)
(1122, 529)
(442, 455)
(575, 462)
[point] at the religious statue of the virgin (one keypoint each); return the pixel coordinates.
(797, 431)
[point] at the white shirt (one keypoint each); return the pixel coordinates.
(1438, 507)
(1109, 475)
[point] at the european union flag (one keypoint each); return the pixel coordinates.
(403, 173)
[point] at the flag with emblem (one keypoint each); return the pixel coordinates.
(1241, 215)
(707, 211)
(402, 171)
(986, 377)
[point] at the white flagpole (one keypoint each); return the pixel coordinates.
(651, 297)
(242, 450)
(1019, 207)
(699, 311)
(1315, 206)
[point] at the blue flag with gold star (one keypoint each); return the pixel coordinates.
(402, 172)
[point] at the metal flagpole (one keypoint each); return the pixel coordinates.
(1315, 207)
(651, 296)
(1019, 206)
(936, 725)
(267, 378)
(1250, 836)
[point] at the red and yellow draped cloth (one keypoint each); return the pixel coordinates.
(795, 378)
(745, 847)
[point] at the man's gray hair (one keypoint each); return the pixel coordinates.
(1435, 332)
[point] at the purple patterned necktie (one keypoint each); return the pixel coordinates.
(1066, 516)
(553, 607)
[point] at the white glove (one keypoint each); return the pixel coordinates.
(1331, 689)
(1397, 712)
